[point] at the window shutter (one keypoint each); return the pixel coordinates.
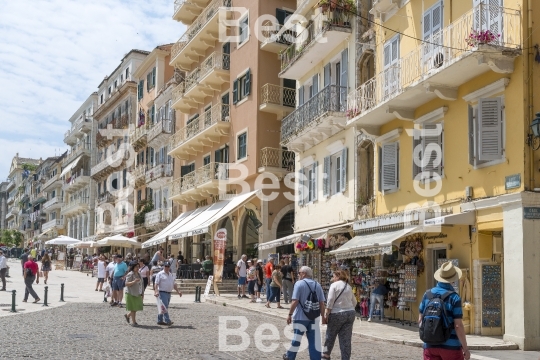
(489, 129)
(301, 96)
(315, 84)
(326, 177)
(280, 16)
(327, 75)
(433, 139)
(472, 151)
(389, 166)
(417, 157)
(235, 91)
(344, 68)
(154, 77)
(300, 182)
(148, 79)
(343, 170)
(315, 186)
(387, 55)
(248, 83)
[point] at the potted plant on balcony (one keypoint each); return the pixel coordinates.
(324, 4)
(481, 37)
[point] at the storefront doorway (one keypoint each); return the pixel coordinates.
(285, 228)
(434, 255)
(250, 237)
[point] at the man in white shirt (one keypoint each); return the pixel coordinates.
(100, 273)
(3, 270)
(241, 272)
(163, 286)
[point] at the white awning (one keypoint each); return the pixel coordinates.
(371, 244)
(44, 234)
(467, 218)
(279, 242)
(70, 166)
(161, 237)
(200, 223)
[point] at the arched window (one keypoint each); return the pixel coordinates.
(285, 228)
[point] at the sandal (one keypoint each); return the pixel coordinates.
(127, 318)
(268, 306)
(280, 307)
(135, 324)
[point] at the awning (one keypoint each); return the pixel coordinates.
(371, 244)
(201, 223)
(70, 166)
(161, 237)
(467, 218)
(290, 239)
(45, 232)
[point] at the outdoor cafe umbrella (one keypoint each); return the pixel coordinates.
(119, 241)
(62, 240)
(83, 245)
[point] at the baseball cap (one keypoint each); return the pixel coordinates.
(249, 261)
(166, 263)
(118, 256)
(259, 261)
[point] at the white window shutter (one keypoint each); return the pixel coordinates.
(300, 182)
(432, 137)
(326, 177)
(327, 75)
(389, 166)
(343, 170)
(489, 129)
(387, 55)
(472, 152)
(417, 157)
(315, 165)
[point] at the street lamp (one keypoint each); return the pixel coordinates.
(534, 138)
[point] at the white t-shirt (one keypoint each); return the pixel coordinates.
(101, 269)
(110, 268)
(242, 271)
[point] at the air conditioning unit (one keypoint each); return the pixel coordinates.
(497, 244)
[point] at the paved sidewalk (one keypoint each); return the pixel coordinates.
(387, 332)
(79, 287)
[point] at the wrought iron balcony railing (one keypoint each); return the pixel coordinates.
(277, 158)
(278, 95)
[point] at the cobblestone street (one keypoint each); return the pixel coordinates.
(97, 331)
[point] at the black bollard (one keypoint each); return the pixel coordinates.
(45, 296)
(62, 293)
(13, 292)
(197, 294)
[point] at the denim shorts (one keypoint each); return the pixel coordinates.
(241, 280)
(118, 284)
(251, 287)
(101, 280)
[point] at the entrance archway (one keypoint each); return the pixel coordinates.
(285, 228)
(227, 224)
(250, 237)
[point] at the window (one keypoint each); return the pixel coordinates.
(115, 84)
(427, 145)
(486, 131)
(101, 99)
(244, 29)
(335, 173)
(121, 78)
(140, 90)
(391, 58)
(110, 90)
(124, 177)
(242, 146)
(432, 24)
(389, 166)
(151, 79)
(206, 160)
(307, 184)
(242, 87)
(127, 74)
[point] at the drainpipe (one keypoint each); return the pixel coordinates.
(528, 64)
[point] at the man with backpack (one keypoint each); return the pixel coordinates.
(306, 307)
(440, 320)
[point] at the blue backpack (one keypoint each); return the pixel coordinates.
(435, 328)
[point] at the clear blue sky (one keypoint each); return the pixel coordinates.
(54, 55)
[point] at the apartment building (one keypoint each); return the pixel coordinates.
(445, 124)
(227, 129)
(3, 203)
(116, 111)
(153, 170)
(73, 192)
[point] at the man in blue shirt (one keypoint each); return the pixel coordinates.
(455, 348)
(301, 323)
(119, 273)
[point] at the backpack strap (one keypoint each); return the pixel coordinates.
(446, 294)
(429, 295)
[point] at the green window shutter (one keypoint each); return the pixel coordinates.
(248, 83)
(235, 91)
(343, 170)
(153, 113)
(326, 177)
(154, 77)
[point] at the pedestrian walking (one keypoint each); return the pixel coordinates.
(260, 280)
(119, 272)
(164, 285)
(304, 314)
(275, 288)
(33, 252)
(101, 273)
(340, 315)
(241, 273)
(288, 280)
(268, 269)
(3, 270)
(24, 259)
(454, 345)
(134, 290)
(30, 274)
(174, 266)
(145, 275)
(251, 279)
(46, 266)
(109, 270)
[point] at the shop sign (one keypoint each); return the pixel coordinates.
(220, 242)
(208, 285)
(433, 237)
(531, 213)
(512, 181)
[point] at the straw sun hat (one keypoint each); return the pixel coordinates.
(447, 273)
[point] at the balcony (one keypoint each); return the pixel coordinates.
(120, 123)
(202, 82)
(77, 181)
(200, 184)
(39, 198)
(138, 175)
(11, 199)
(277, 100)
(327, 31)
(78, 128)
(12, 211)
(80, 149)
(75, 207)
(432, 70)
(138, 137)
(159, 134)
(109, 164)
(52, 183)
(316, 120)
(276, 161)
(204, 131)
(274, 41)
(201, 35)
(10, 185)
(186, 11)
(105, 198)
(385, 8)
(158, 218)
(53, 204)
(159, 175)
(53, 224)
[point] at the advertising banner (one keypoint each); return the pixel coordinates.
(220, 241)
